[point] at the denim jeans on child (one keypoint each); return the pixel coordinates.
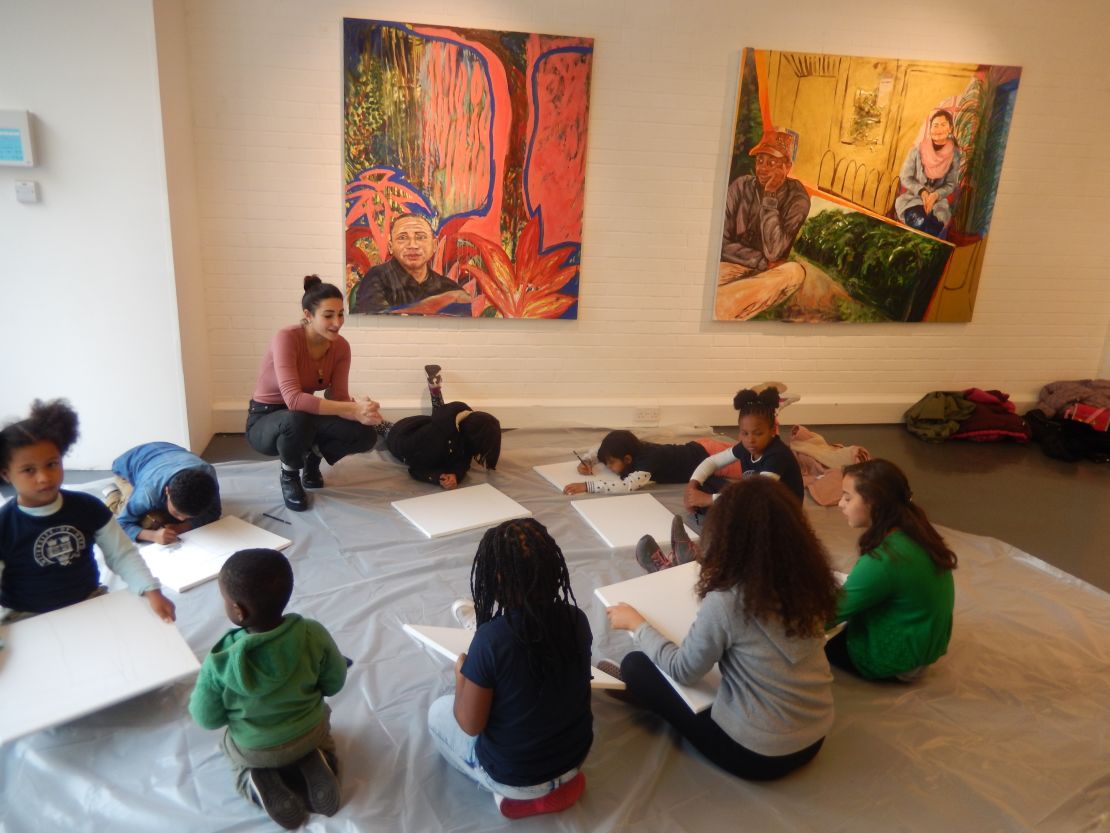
(459, 749)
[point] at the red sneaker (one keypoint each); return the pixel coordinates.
(554, 802)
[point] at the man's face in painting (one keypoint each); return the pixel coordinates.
(412, 243)
(770, 171)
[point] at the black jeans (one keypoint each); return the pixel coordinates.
(274, 430)
(649, 688)
(836, 650)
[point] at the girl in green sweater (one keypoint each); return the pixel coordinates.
(898, 598)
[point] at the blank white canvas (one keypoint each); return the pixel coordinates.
(202, 551)
(458, 510)
(450, 642)
(622, 520)
(71, 662)
(667, 600)
(561, 475)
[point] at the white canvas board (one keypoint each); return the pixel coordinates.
(450, 642)
(200, 553)
(458, 510)
(622, 520)
(72, 662)
(561, 475)
(667, 600)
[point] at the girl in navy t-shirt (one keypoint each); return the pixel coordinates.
(760, 450)
(47, 533)
(519, 722)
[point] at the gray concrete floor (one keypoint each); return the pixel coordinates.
(1059, 512)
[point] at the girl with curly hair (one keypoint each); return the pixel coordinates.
(47, 533)
(766, 591)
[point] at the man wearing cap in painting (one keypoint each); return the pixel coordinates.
(764, 211)
(406, 282)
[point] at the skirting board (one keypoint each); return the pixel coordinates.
(230, 416)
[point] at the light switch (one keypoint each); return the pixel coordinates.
(27, 190)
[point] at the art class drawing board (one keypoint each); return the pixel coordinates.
(201, 552)
(71, 662)
(459, 510)
(561, 475)
(623, 519)
(450, 642)
(667, 600)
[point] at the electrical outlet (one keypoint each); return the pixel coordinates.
(648, 414)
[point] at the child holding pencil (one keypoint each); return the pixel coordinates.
(639, 464)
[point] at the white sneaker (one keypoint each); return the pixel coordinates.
(463, 611)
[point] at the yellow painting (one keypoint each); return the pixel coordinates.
(860, 189)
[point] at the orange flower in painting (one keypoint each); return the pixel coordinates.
(528, 288)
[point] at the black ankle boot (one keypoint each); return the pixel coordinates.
(293, 491)
(310, 475)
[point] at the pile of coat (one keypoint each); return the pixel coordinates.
(972, 414)
(1072, 420)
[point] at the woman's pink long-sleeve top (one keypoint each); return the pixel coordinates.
(290, 375)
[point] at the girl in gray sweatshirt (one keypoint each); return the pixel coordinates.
(766, 589)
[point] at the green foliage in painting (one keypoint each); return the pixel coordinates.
(362, 118)
(882, 265)
(749, 120)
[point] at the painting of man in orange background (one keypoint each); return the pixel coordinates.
(482, 134)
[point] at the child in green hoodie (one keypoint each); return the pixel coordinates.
(266, 681)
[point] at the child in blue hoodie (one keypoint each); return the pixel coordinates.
(266, 681)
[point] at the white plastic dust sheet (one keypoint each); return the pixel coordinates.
(1008, 732)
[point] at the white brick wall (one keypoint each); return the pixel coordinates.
(266, 95)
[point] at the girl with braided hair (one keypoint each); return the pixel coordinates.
(519, 722)
(899, 597)
(760, 450)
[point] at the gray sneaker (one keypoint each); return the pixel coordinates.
(273, 795)
(650, 556)
(683, 549)
(320, 782)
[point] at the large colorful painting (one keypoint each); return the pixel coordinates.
(465, 160)
(860, 189)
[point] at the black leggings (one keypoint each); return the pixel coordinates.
(836, 650)
(291, 434)
(649, 688)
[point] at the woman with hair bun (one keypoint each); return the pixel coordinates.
(759, 450)
(286, 420)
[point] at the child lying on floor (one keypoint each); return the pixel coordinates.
(639, 463)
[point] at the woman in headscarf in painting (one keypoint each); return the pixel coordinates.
(930, 175)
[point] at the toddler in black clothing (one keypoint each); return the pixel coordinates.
(439, 448)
